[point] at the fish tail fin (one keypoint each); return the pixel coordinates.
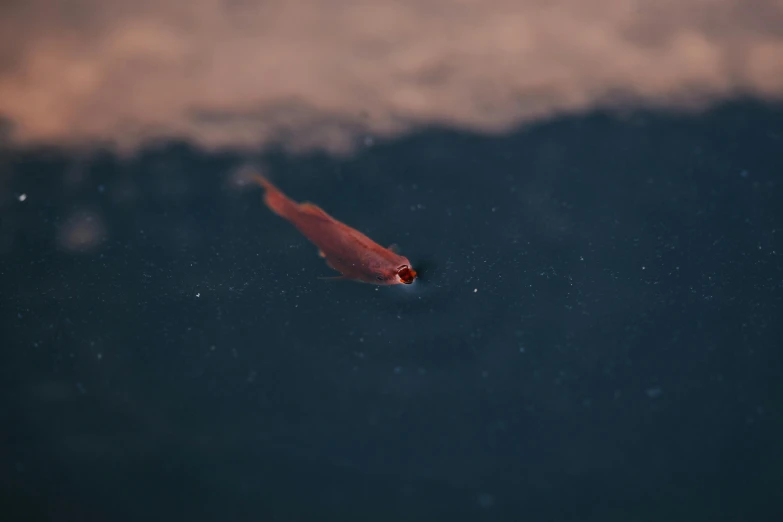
(278, 202)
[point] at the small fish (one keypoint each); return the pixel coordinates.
(346, 250)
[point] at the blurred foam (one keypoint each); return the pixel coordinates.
(315, 74)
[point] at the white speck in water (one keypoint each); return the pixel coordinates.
(654, 392)
(198, 294)
(475, 290)
(22, 197)
(521, 349)
(99, 356)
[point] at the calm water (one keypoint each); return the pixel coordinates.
(596, 335)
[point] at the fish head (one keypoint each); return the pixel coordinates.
(405, 274)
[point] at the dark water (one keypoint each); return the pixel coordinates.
(597, 333)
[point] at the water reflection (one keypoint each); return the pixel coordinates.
(322, 74)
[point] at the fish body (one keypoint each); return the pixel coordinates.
(345, 249)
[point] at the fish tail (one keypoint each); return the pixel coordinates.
(278, 202)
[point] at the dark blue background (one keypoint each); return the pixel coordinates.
(596, 336)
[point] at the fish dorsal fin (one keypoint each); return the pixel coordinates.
(313, 210)
(395, 248)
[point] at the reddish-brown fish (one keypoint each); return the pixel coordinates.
(345, 249)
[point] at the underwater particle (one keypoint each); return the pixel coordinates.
(22, 197)
(486, 500)
(82, 231)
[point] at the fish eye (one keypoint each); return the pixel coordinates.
(406, 274)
